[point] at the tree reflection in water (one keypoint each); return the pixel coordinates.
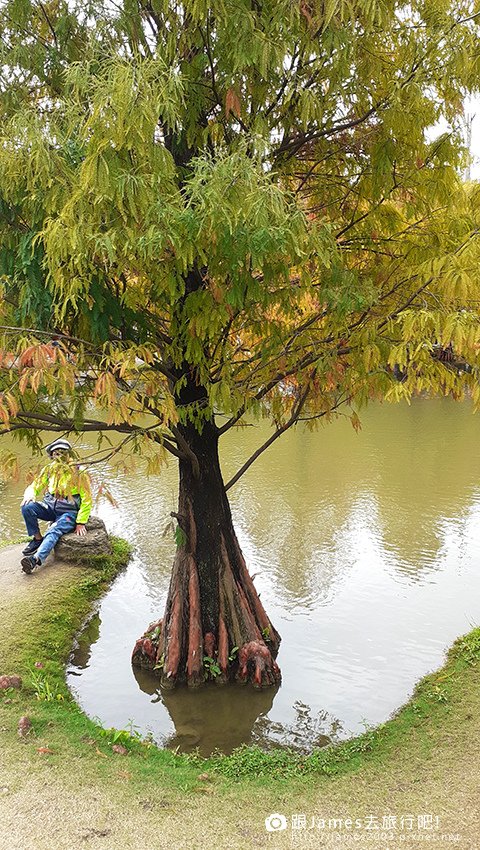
(306, 733)
(225, 717)
(84, 644)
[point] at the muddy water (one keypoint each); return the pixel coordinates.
(366, 552)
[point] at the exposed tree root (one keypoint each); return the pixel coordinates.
(145, 650)
(256, 664)
(242, 647)
(194, 659)
(215, 626)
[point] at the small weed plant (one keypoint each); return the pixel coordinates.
(42, 688)
(212, 668)
(122, 736)
(469, 647)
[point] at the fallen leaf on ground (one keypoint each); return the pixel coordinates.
(99, 753)
(7, 682)
(120, 750)
(45, 751)
(24, 726)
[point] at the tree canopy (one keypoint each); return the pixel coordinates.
(233, 208)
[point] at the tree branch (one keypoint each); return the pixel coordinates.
(187, 450)
(48, 422)
(292, 146)
(294, 417)
(49, 23)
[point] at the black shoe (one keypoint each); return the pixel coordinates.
(32, 546)
(29, 564)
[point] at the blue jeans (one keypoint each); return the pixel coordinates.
(62, 524)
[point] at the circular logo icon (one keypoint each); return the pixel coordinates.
(275, 823)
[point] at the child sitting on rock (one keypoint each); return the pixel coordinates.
(66, 502)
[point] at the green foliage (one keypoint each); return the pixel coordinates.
(439, 694)
(121, 736)
(43, 689)
(233, 654)
(212, 667)
(155, 634)
(232, 209)
(284, 763)
(160, 663)
(180, 537)
(468, 648)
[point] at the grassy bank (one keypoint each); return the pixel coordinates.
(396, 764)
(36, 641)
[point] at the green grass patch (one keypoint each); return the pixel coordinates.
(433, 701)
(38, 642)
(37, 646)
(4, 542)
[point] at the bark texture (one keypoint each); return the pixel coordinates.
(214, 626)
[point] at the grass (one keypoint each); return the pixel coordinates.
(40, 631)
(43, 635)
(40, 634)
(433, 703)
(425, 759)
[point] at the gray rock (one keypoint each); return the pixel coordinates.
(75, 549)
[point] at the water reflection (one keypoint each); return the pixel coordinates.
(365, 550)
(84, 644)
(307, 731)
(213, 717)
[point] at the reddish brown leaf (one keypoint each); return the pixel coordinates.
(306, 11)
(10, 682)
(232, 103)
(216, 291)
(24, 726)
(27, 356)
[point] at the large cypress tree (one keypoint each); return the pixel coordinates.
(229, 209)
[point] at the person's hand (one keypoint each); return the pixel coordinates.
(26, 500)
(80, 530)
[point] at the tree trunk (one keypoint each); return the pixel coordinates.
(214, 626)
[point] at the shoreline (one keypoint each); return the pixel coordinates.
(433, 738)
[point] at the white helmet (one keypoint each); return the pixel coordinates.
(58, 444)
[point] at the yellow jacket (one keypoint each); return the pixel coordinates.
(63, 481)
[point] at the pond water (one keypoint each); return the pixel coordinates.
(366, 552)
